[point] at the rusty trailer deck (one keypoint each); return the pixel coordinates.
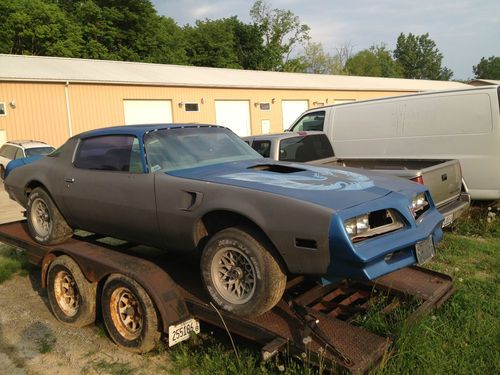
(310, 318)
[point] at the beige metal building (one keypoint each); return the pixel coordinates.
(50, 99)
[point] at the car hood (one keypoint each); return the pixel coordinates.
(337, 188)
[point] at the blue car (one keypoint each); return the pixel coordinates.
(254, 221)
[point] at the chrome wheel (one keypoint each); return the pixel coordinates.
(233, 275)
(66, 293)
(126, 313)
(40, 217)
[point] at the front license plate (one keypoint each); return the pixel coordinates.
(447, 220)
(424, 250)
(180, 332)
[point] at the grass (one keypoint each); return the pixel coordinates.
(12, 262)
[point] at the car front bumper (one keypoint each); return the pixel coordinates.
(383, 254)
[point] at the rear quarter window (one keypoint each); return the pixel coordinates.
(8, 151)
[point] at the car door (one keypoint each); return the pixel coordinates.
(109, 192)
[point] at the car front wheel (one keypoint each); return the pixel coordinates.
(45, 223)
(240, 273)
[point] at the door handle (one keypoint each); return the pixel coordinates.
(69, 180)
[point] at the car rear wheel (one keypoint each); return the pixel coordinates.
(130, 315)
(45, 223)
(72, 297)
(240, 272)
(2, 172)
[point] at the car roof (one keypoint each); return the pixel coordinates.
(139, 129)
(28, 144)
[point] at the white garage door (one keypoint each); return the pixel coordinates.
(234, 114)
(147, 111)
(292, 109)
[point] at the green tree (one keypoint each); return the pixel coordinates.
(488, 68)
(36, 27)
(373, 62)
(212, 43)
(420, 58)
(316, 60)
(282, 32)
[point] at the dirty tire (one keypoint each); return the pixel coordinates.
(2, 172)
(228, 261)
(72, 297)
(130, 315)
(45, 223)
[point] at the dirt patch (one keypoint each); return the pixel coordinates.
(32, 341)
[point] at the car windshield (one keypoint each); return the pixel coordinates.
(182, 148)
(38, 151)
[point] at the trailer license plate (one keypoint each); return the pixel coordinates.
(182, 331)
(447, 220)
(424, 250)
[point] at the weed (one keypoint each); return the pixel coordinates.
(113, 368)
(46, 343)
(479, 222)
(12, 262)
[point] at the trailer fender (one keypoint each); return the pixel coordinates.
(98, 263)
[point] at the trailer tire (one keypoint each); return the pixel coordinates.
(240, 273)
(130, 315)
(45, 223)
(72, 297)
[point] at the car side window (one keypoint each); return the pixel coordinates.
(305, 148)
(9, 152)
(3, 151)
(262, 147)
(310, 121)
(110, 153)
(19, 153)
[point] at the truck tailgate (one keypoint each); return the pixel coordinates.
(444, 181)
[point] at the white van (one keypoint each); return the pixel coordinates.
(459, 124)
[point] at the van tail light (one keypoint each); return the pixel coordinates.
(418, 180)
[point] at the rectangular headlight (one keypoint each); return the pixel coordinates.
(357, 225)
(418, 203)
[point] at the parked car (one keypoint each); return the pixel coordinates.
(254, 220)
(459, 124)
(21, 149)
(443, 178)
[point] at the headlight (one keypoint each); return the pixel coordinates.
(418, 204)
(372, 224)
(357, 225)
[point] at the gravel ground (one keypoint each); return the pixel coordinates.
(32, 341)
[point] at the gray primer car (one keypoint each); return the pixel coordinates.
(255, 220)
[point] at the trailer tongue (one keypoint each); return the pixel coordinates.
(313, 319)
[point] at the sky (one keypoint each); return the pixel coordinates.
(464, 30)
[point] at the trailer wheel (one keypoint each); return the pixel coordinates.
(45, 223)
(130, 315)
(240, 273)
(72, 297)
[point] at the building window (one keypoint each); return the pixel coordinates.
(191, 107)
(265, 106)
(3, 109)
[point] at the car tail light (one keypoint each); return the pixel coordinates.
(418, 180)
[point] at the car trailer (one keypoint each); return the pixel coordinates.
(310, 318)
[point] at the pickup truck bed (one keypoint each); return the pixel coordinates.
(443, 178)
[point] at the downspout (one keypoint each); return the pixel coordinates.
(70, 127)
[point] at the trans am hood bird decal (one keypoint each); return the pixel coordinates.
(321, 179)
